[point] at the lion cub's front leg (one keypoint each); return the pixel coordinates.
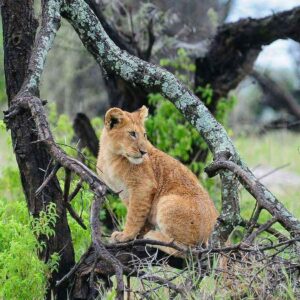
(137, 213)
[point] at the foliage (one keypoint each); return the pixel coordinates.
(22, 274)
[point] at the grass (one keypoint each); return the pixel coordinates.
(273, 149)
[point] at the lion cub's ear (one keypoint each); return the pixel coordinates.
(143, 111)
(113, 118)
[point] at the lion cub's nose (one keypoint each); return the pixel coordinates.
(143, 152)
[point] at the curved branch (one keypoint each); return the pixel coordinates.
(154, 78)
(50, 24)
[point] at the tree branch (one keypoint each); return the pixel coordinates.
(234, 49)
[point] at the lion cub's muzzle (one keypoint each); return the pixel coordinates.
(137, 159)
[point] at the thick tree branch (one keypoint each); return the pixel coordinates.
(236, 46)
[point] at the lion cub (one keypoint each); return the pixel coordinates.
(164, 199)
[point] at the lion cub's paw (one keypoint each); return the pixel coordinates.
(120, 236)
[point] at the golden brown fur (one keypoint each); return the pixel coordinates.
(159, 191)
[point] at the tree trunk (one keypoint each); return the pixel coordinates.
(19, 27)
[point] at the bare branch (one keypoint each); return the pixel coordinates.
(76, 191)
(86, 133)
(47, 180)
(74, 215)
(260, 229)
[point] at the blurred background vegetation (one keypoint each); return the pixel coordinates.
(73, 83)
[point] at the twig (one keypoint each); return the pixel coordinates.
(67, 185)
(49, 177)
(253, 219)
(73, 270)
(273, 171)
(76, 191)
(74, 215)
(259, 230)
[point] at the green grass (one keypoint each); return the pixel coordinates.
(273, 149)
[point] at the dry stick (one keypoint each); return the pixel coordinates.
(67, 185)
(49, 177)
(76, 191)
(273, 171)
(161, 281)
(100, 248)
(67, 204)
(260, 229)
(272, 231)
(253, 219)
(74, 215)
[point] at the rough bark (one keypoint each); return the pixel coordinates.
(19, 26)
(120, 93)
(234, 49)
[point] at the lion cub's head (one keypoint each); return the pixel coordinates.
(125, 133)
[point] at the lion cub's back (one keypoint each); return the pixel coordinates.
(172, 175)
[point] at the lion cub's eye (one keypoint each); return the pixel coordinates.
(133, 134)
